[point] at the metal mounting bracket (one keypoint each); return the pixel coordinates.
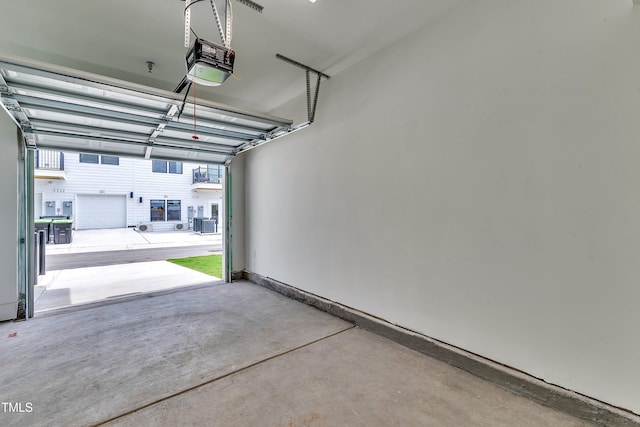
(312, 100)
(13, 107)
(152, 138)
(252, 5)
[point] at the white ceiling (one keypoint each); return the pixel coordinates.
(115, 38)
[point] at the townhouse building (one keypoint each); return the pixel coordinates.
(105, 191)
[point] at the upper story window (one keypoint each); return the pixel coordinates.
(89, 158)
(163, 166)
(110, 160)
(175, 167)
(95, 158)
(159, 166)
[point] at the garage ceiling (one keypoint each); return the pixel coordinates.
(115, 38)
(132, 111)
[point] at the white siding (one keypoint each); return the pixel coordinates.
(132, 179)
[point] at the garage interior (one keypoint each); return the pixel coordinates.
(466, 196)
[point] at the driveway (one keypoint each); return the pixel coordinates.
(62, 288)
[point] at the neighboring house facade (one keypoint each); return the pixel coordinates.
(104, 191)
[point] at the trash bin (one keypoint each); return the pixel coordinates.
(208, 226)
(197, 223)
(62, 231)
(43, 224)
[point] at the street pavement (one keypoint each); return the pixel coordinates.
(104, 280)
(127, 256)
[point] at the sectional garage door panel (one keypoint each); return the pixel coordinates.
(63, 109)
(101, 211)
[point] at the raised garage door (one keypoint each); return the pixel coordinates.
(101, 211)
(62, 109)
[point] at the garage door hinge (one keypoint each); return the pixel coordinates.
(29, 140)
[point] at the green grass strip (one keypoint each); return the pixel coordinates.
(208, 264)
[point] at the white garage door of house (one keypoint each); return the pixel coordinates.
(101, 211)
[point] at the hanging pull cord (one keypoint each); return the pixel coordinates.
(195, 136)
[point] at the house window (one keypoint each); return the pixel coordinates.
(175, 167)
(159, 166)
(110, 160)
(162, 166)
(173, 210)
(215, 173)
(157, 210)
(88, 158)
(95, 158)
(165, 210)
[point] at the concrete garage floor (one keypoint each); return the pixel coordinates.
(236, 355)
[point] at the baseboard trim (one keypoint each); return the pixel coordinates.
(552, 396)
(237, 275)
(8, 311)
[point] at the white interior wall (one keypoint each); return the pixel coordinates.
(477, 182)
(8, 218)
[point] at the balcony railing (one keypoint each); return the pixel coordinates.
(50, 160)
(207, 175)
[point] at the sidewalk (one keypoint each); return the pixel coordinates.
(128, 238)
(62, 288)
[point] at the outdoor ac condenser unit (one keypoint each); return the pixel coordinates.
(144, 227)
(181, 226)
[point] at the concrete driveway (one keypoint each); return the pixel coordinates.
(63, 288)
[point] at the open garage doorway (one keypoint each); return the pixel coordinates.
(99, 124)
(120, 226)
